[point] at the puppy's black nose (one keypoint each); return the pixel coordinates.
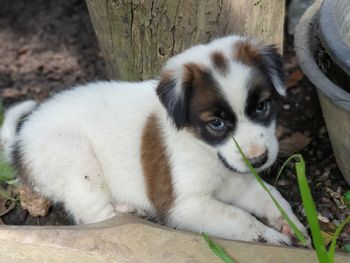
(259, 161)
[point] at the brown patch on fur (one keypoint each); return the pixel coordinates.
(220, 62)
(200, 94)
(246, 52)
(205, 102)
(207, 116)
(156, 169)
(204, 91)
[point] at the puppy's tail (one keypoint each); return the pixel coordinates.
(12, 118)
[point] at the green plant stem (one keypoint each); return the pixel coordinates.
(310, 211)
(335, 237)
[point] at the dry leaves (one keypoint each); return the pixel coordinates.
(281, 131)
(6, 206)
(35, 204)
(291, 142)
(12, 93)
(294, 78)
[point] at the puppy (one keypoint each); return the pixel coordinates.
(163, 147)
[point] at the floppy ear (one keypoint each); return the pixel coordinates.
(174, 96)
(272, 65)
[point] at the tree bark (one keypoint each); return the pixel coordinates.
(137, 37)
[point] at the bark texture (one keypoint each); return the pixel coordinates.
(137, 37)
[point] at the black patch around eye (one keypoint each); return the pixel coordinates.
(177, 108)
(222, 111)
(256, 96)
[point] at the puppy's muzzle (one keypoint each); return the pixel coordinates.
(259, 161)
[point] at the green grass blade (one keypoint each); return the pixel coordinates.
(335, 237)
(310, 211)
(217, 249)
(294, 228)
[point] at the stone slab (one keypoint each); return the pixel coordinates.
(130, 239)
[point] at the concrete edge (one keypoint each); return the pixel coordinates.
(130, 239)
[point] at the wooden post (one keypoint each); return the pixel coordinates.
(137, 37)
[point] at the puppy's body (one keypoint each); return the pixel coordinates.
(96, 140)
(164, 147)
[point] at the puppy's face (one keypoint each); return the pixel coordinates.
(227, 88)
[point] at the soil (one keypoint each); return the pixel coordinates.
(48, 46)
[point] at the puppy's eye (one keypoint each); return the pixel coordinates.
(217, 125)
(263, 107)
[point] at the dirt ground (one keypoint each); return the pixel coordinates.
(47, 46)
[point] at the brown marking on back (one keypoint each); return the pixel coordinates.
(156, 169)
(246, 53)
(220, 62)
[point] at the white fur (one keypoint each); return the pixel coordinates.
(11, 119)
(82, 148)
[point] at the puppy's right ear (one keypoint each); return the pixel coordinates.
(175, 98)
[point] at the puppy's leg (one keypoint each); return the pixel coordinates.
(68, 171)
(206, 214)
(245, 192)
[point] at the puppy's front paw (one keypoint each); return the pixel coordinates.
(276, 221)
(281, 225)
(272, 236)
(286, 230)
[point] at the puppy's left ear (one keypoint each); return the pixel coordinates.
(175, 98)
(272, 64)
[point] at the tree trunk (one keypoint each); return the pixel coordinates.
(137, 37)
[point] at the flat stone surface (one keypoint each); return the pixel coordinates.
(129, 239)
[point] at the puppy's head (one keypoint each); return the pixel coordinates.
(227, 88)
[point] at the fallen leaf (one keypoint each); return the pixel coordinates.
(322, 218)
(337, 198)
(23, 50)
(327, 237)
(35, 204)
(293, 79)
(294, 143)
(281, 131)
(328, 227)
(12, 93)
(6, 206)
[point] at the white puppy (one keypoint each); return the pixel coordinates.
(163, 147)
